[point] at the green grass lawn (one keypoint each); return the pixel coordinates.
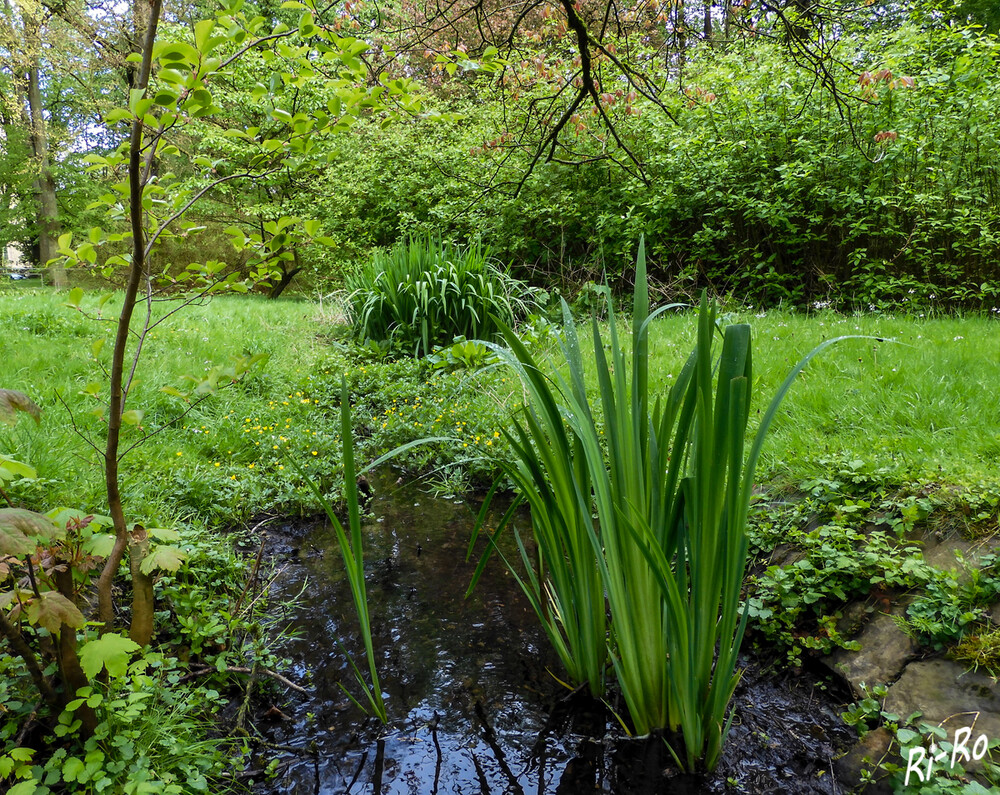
(923, 407)
(922, 404)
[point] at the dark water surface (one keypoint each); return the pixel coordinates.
(472, 705)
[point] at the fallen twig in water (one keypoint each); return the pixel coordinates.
(241, 670)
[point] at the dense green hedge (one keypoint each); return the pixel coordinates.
(771, 190)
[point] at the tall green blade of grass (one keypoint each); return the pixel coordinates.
(563, 582)
(352, 553)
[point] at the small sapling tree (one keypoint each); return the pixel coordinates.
(46, 562)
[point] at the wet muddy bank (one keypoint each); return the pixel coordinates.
(473, 706)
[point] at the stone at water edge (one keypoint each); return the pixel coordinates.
(885, 649)
(948, 694)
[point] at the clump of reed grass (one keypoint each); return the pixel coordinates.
(653, 585)
(424, 292)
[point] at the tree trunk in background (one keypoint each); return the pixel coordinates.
(708, 20)
(141, 628)
(47, 208)
(73, 676)
(286, 276)
(45, 184)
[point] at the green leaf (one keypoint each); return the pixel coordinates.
(906, 736)
(75, 296)
(72, 768)
(203, 35)
(164, 534)
(173, 77)
(99, 545)
(86, 252)
(135, 96)
(21, 530)
(176, 51)
(10, 469)
(165, 97)
(109, 651)
(64, 516)
(132, 417)
(163, 557)
(12, 401)
(53, 610)
(118, 114)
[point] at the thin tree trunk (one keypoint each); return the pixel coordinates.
(45, 186)
(116, 405)
(286, 276)
(286, 279)
(141, 629)
(69, 662)
(708, 20)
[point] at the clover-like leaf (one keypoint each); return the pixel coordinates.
(53, 610)
(108, 651)
(21, 530)
(163, 557)
(12, 401)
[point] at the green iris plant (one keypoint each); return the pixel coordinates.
(639, 500)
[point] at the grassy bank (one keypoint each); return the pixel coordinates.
(919, 408)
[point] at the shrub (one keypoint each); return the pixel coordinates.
(425, 292)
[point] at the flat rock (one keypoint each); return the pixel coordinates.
(946, 554)
(885, 649)
(949, 695)
(949, 553)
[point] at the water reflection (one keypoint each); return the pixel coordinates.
(472, 705)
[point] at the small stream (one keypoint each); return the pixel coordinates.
(472, 705)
